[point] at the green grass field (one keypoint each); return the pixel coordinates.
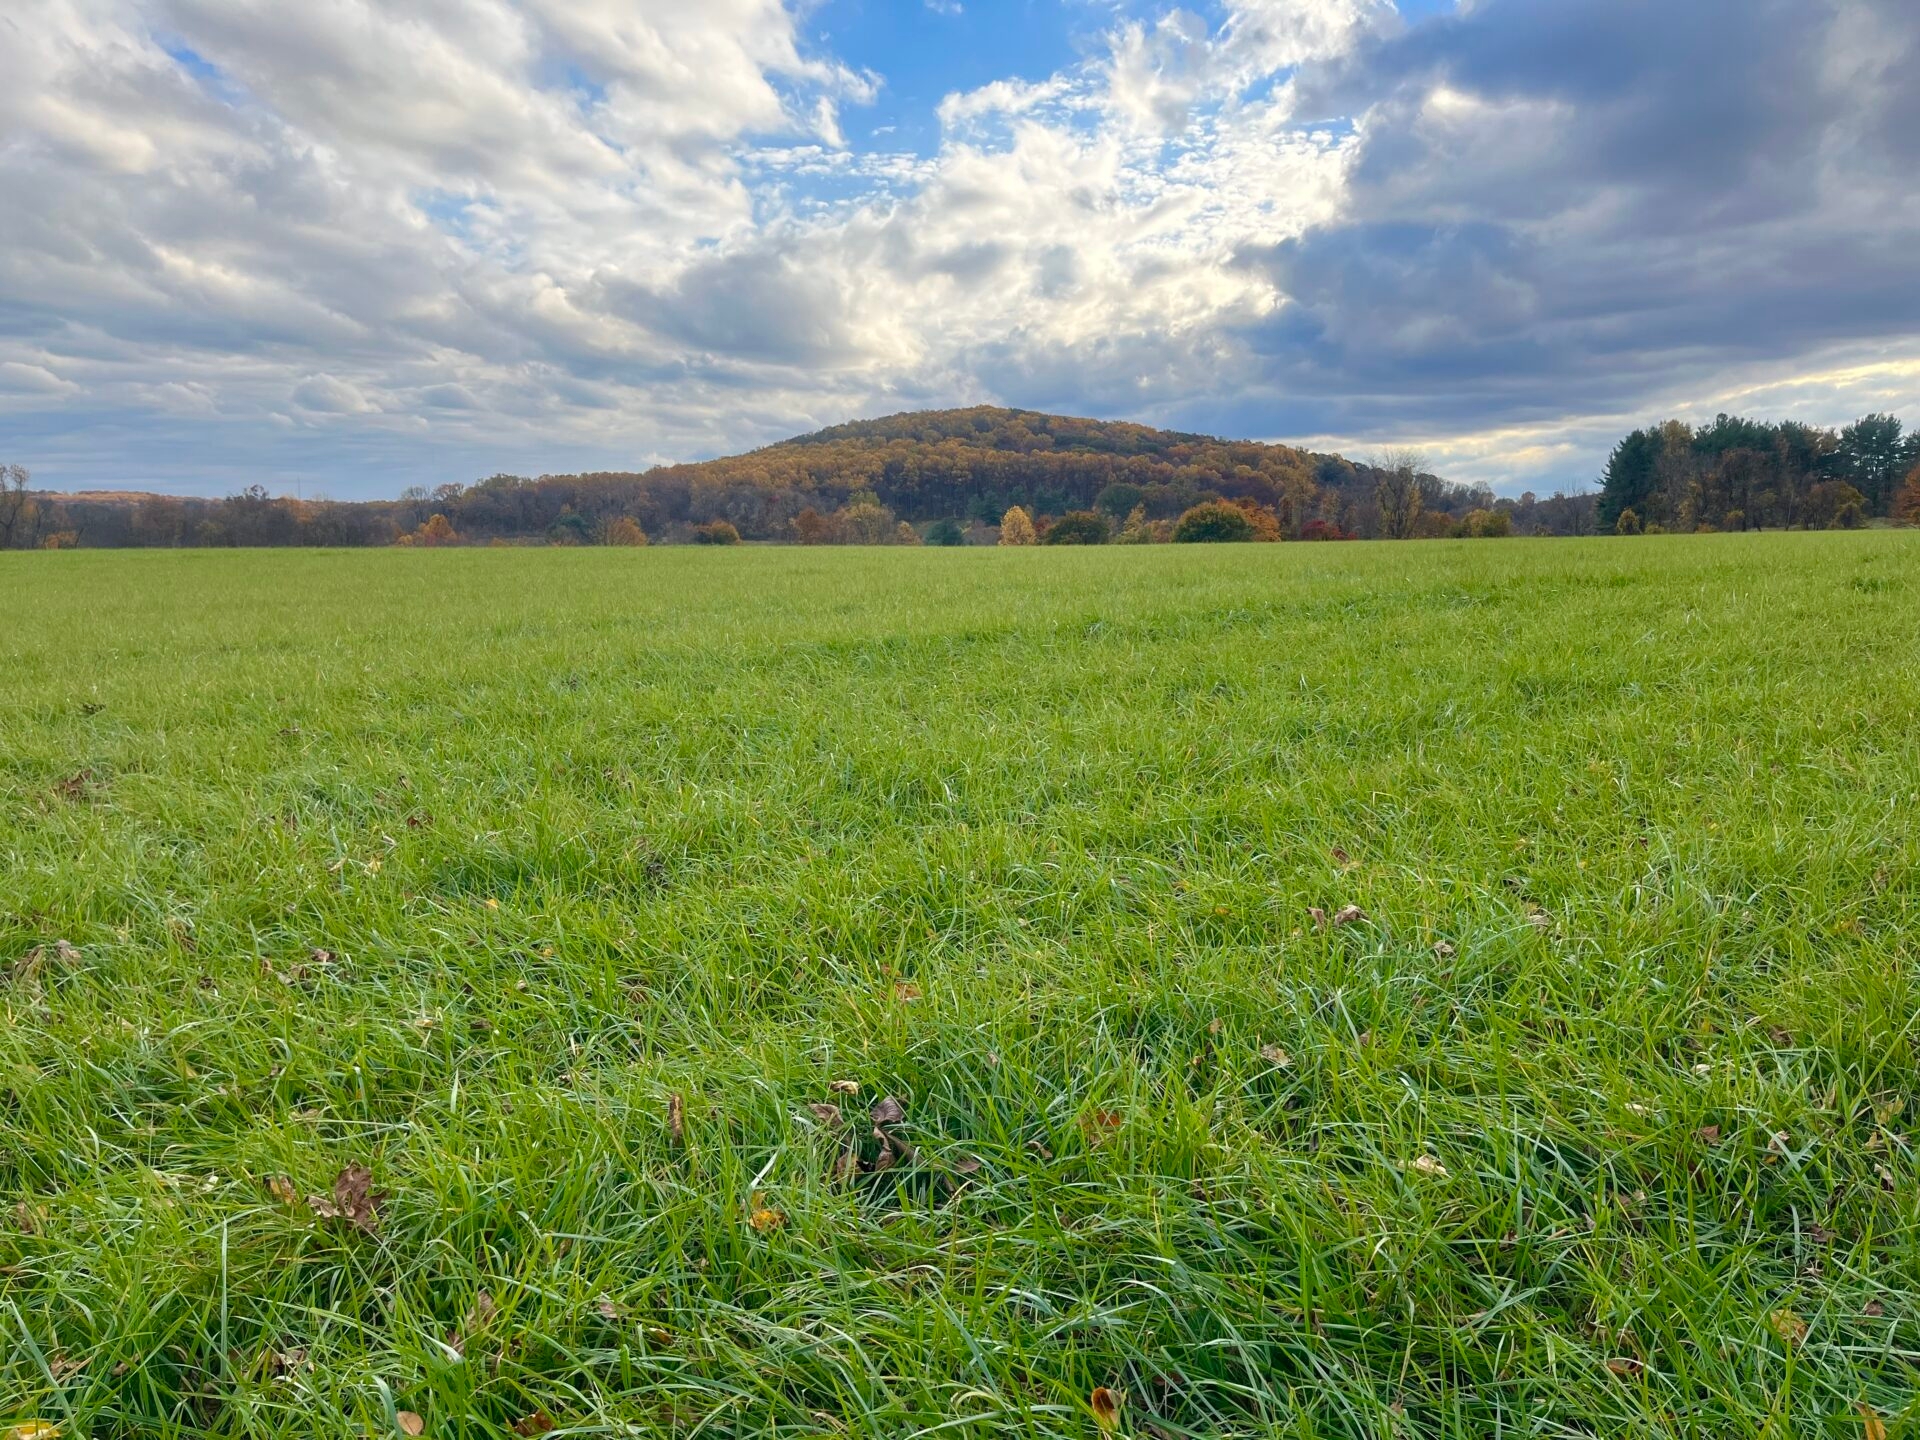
(464, 865)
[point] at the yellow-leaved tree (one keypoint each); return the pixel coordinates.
(1016, 528)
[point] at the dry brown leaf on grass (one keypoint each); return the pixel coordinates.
(1105, 1404)
(354, 1200)
(676, 1118)
(410, 1423)
(1276, 1057)
(1428, 1165)
(281, 1188)
(1626, 1367)
(904, 990)
(844, 1087)
(538, 1423)
(1099, 1125)
(888, 1111)
(1348, 915)
(609, 1311)
(478, 1321)
(1788, 1326)
(1318, 916)
(1872, 1425)
(32, 1430)
(828, 1115)
(1709, 1134)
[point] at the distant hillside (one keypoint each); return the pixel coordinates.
(856, 482)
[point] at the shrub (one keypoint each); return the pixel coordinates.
(1122, 497)
(571, 528)
(1628, 523)
(1266, 524)
(1213, 523)
(1016, 528)
(1322, 530)
(623, 530)
(1486, 525)
(946, 532)
(810, 527)
(1080, 527)
(1138, 530)
(1850, 516)
(716, 532)
(905, 534)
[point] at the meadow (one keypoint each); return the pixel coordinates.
(1447, 989)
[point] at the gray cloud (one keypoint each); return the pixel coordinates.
(380, 245)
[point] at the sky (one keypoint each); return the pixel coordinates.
(342, 247)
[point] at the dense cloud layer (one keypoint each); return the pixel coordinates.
(376, 245)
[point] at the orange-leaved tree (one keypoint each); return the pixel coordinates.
(1016, 528)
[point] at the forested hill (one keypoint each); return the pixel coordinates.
(958, 470)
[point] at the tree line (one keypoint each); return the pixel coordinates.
(908, 479)
(1740, 474)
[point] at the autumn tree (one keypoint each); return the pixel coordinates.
(810, 527)
(1399, 494)
(865, 521)
(1138, 530)
(1907, 507)
(623, 530)
(1016, 528)
(436, 530)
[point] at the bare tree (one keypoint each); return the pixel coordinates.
(1399, 493)
(16, 506)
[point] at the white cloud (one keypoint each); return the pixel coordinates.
(540, 233)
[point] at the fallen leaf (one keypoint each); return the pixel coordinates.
(1098, 1125)
(480, 1317)
(1873, 1309)
(538, 1423)
(846, 1163)
(764, 1219)
(905, 990)
(1427, 1165)
(676, 1118)
(1276, 1057)
(410, 1423)
(1626, 1367)
(1106, 1407)
(62, 1365)
(1788, 1326)
(1319, 917)
(1341, 858)
(844, 1087)
(888, 1111)
(1709, 1134)
(281, 1188)
(1349, 915)
(967, 1165)
(609, 1311)
(827, 1114)
(32, 1430)
(1874, 1427)
(1444, 950)
(354, 1200)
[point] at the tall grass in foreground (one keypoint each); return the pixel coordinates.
(572, 892)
